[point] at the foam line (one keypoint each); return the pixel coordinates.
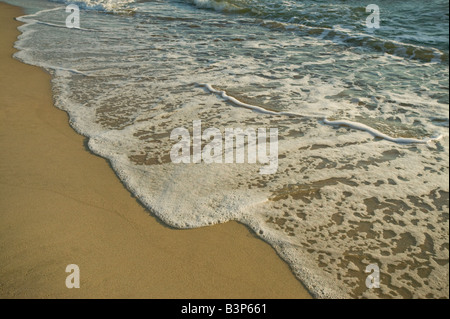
(376, 133)
(26, 19)
(354, 125)
(21, 18)
(235, 101)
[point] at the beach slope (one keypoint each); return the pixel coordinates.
(61, 205)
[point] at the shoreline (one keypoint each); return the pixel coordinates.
(63, 205)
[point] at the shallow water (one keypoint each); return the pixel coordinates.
(341, 198)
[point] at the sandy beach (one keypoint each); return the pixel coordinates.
(61, 204)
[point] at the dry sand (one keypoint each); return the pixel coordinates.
(60, 204)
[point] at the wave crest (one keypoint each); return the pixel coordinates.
(116, 6)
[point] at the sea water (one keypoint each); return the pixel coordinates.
(362, 116)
